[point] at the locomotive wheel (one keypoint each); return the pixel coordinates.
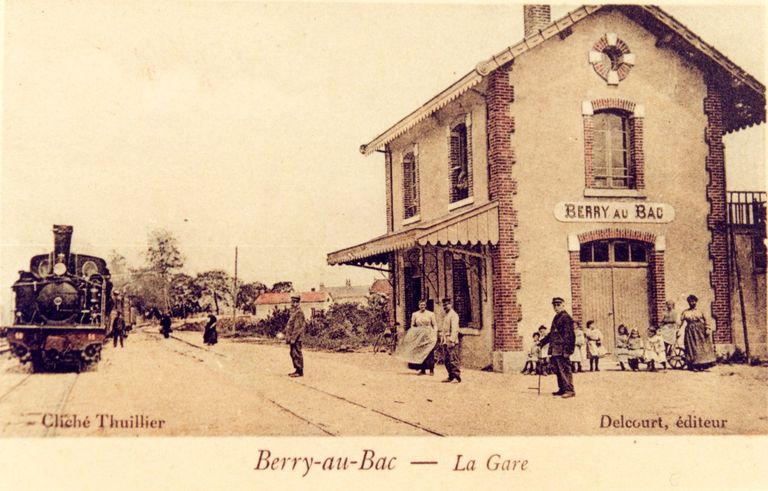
(37, 362)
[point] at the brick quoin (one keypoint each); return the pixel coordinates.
(576, 298)
(656, 281)
(716, 219)
(507, 311)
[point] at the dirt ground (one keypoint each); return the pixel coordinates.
(173, 387)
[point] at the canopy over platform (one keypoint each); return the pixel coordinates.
(478, 226)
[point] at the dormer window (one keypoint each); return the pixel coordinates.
(460, 161)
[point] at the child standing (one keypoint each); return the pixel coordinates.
(579, 348)
(531, 365)
(622, 346)
(655, 351)
(595, 347)
(543, 366)
(635, 345)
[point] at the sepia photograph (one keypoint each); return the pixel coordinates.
(309, 219)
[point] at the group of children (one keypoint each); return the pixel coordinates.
(631, 350)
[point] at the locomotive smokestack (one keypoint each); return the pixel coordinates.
(62, 239)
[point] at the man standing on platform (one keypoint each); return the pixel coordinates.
(450, 337)
(561, 340)
(118, 329)
(294, 330)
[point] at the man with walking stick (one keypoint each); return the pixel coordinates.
(561, 340)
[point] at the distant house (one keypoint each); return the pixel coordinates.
(348, 293)
(312, 302)
(381, 287)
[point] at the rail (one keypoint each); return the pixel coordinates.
(746, 207)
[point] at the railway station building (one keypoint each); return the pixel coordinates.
(586, 162)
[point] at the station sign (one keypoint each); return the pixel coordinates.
(614, 212)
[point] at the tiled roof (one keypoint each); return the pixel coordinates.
(270, 298)
(745, 97)
(309, 297)
(381, 286)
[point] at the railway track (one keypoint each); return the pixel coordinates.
(297, 412)
(49, 395)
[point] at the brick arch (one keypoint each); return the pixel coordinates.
(613, 103)
(616, 233)
(656, 279)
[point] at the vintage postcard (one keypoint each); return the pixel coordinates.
(253, 220)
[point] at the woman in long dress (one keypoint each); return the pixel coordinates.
(418, 344)
(579, 349)
(699, 351)
(622, 346)
(210, 336)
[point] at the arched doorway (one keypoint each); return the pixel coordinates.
(615, 285)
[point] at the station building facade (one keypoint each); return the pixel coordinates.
(586, 162)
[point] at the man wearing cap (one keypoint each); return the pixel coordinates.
(450, 338)
(561, 340)
(293, 332)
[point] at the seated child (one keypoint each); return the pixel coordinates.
(622, 346)
(533, 357)
(655, 351)
(635, 347)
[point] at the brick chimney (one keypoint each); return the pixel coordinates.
(535, 18)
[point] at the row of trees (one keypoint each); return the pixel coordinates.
(160, 284)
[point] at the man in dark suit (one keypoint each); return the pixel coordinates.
(561, 340)
(294, 330)
(118, 329)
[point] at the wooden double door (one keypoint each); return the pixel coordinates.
(614, 295)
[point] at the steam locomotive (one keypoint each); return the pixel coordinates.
(62, 307)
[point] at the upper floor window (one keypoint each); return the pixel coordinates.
(612, 151)
(613, 147)
(460, 160)
(410, 184)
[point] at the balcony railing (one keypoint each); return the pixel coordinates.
(746, 207)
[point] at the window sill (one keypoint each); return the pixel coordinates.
(469, 331)
(461, 203)
(413, 219)
(614, 193)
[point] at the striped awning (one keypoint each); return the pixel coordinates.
(477, 226)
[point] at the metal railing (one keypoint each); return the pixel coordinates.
(746, 207)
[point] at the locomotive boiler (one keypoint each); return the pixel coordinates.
(62, 307)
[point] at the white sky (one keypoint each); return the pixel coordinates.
(239, 123)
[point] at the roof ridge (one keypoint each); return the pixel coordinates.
(501, 58)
